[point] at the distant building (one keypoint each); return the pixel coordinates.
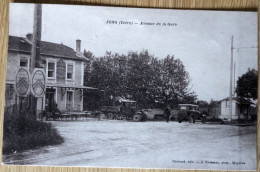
(64, 69)
(240, 108)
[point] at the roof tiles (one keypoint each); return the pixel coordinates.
(47, 48)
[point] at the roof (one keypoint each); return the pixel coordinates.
(46, 48)
(239, 100)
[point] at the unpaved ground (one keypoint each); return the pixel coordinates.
(112, 143)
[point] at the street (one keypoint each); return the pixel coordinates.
(150, 144)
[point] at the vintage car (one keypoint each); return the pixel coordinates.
(125, 110)
(191, 113)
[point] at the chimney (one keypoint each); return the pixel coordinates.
(29, 36)
(78, 42)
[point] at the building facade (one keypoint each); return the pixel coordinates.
(64, 69)
(240, 109)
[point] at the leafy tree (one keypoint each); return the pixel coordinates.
(88, 65)
(213, 103)
(202, 103)
(247, 84)
(89, 55)
(140, 76)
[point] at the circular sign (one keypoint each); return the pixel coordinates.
(38, 83)
(22, 82)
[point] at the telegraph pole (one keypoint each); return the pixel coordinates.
(37, 30)
(231, 77)
(234, 79)
(35, 56)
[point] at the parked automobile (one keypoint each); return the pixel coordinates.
(126, 110)
(191, 113)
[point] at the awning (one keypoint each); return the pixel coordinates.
(65, 86)
(69, 86)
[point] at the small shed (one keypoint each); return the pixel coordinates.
(240, 108)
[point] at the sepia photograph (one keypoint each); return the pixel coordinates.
(117, 87)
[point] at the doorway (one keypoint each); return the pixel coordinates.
(49, 100)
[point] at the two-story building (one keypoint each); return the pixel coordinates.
(64, 69)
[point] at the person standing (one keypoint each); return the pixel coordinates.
(167, 112)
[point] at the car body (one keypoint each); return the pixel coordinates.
(191, 113)
(125, 110)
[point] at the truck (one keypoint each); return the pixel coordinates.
(191, 113)
(184, 112)
(127, 109)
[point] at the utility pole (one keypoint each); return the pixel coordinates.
(234, 79)
(35, 56)
(37, 30)
(231, 77)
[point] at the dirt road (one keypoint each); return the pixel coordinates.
(112, 143)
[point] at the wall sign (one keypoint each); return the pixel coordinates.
(22, 82)
(61, 70)
(38, 81)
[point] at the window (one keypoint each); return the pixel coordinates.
(24, 63)
(70, 71)
(51, 69)
(183, 108)
(194, 108)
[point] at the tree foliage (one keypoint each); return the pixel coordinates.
(141, 77)
(247, 84)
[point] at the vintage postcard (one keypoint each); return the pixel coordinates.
(131, 88)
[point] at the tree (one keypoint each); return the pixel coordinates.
(150, 81)
(202, 103)
(247, 84)
(88, 65)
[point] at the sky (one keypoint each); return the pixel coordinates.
(200, 39)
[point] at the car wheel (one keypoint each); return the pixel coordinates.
(102, 116)
(137, 117)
